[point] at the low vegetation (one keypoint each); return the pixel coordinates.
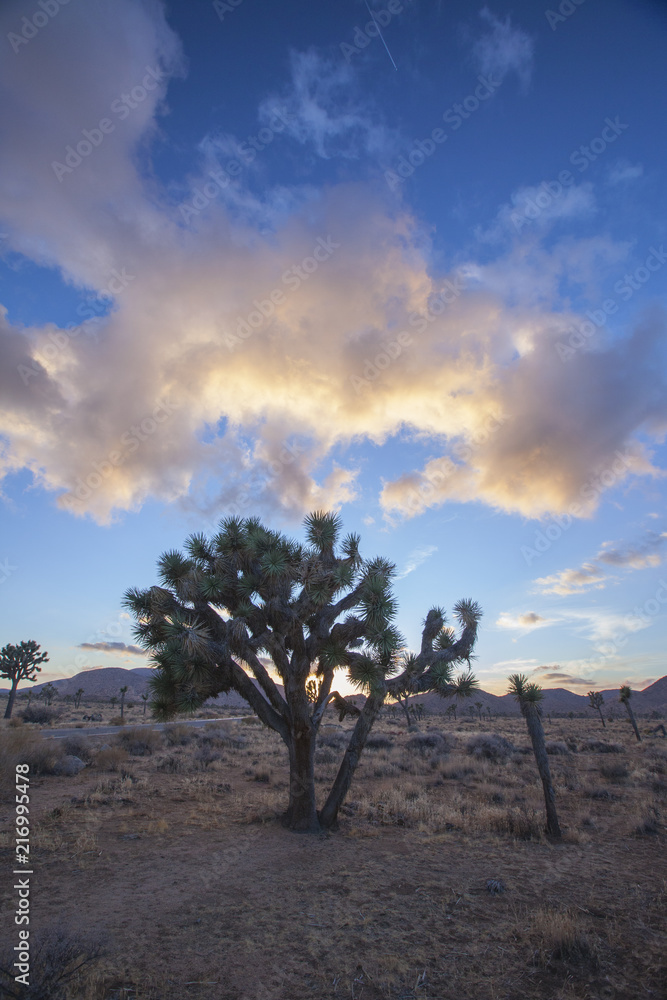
(175, 849)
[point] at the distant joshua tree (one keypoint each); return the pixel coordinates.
(77, 697)
(113, 701)
(624, 696)
(479, 705)
(596, 701)
(18, 663)
(529, 696)
(123, 692)
(144, 698)
(49, 693)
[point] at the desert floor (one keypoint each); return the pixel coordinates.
(168, 849)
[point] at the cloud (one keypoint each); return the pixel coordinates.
(556, 676)
(536, 207)
(527, 621)
(622, 172)
(416, 558)
(228, 368)
(504, 49)
(520, 664)
(592, 574)
(114, 647)
(573, 581)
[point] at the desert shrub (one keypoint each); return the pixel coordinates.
(561, 938)
(205, 756)
(117, 721)
(78, 746)
(173, 764)
(649, 824)
(219, 736)
(424, 743)
(24, 746)
(111, 759)
(520, 823)
(262, 775)
(139, 742)
(379, 742)
(39, 714)
(179, 735)
(325, 755)
(557, 748)
(334, 740)
(602, 794)
(57, 956)
(600, 746)
(614, 772)
(489, 745)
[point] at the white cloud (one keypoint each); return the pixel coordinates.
(526, 621)
(167, 397)
(504, 49)
(622, 172)
(416, 558)
(592, 574)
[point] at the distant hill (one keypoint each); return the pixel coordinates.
(105, 682)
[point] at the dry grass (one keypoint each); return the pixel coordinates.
(179, 857)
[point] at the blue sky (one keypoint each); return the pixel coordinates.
(258, 259)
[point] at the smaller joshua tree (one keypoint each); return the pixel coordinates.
(596, 701)
(123, 692)
(144, 698)
(529, 696)
(77, 697)
(18, 663)
(624, 696)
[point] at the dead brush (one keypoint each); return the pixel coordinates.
(179, 735)
(560, 938)
(58, 956)
(139, 742)
(22, 746)
(111, 759)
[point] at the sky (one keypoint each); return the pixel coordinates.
(406, 262)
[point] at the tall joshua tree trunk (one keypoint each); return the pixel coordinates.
(536, 731)
(624, 695)
(301, 814)
(11, 699)
(528, 695)
(340, 787)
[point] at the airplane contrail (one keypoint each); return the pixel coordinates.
(382, 37)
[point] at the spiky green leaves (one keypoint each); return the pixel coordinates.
(365, 673)
(523, 690)
(323, 529)
(625, 694)
(468, 612)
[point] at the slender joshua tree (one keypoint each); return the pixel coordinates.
(596, 701)
(624, 695)
(529, 696)
(123, 692)
(19, 663)
(250, 605)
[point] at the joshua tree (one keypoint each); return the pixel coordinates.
(529, 697)
(123, 692)
(596, 701)
(451, 711)
(49, 693)
(144, 698)
(624, 695)
(402, 696)
(250, 593)
(479, 705)
(113, 701)
(18, 663)
(77, 697)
